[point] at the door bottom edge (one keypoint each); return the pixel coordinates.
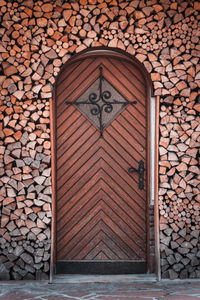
(101, 267)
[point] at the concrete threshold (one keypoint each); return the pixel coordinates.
(103, 278)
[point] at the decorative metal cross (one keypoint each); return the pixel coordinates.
(101, 107)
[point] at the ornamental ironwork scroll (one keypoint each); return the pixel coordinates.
(101, 103)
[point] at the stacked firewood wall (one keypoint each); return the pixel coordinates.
(36, 39)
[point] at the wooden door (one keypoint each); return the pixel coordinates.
(100, 143)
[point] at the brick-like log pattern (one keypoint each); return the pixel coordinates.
(37, 38)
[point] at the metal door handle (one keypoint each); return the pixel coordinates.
(140, 171)
(132, 170)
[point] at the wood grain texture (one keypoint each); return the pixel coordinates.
(101, 213)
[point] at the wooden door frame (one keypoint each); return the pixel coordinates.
(114, 53)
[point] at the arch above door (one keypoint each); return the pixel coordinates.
(118, 139)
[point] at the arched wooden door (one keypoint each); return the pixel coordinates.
(101, 141)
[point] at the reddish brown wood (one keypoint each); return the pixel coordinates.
(53, 168)
(156, 209)
(101, 213)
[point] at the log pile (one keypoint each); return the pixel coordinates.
(37, 38)
(179, 195)
(25, 190)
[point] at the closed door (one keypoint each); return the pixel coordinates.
(101, 167)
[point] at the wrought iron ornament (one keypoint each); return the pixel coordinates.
(101, 107)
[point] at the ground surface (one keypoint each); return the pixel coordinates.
(101, 289)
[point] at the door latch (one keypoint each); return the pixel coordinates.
(140, 171)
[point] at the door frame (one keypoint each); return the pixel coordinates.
(115, 53)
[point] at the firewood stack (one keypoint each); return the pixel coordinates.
(37, 38)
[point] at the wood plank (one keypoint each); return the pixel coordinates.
(72, 75)
(101, 256)
(73, 181)
(71, 159)
(135, 73)
(66, 169)
(82, 209)
(100, 251)
(133, 84)
(130, 189)
(68, 121)
(79, 239)
(114, 143)
(77, 122)
(125, 205)
(124, 92)
(73, 243)
(134, 112)
(70, 191)
(129, 201)
(78, 87)
(70, 201)
(66, 73)
(123, 236)
(118, 206)
(120, 128)
(79, 177)
(113, 161)
(130, 179)
(125, 165)
(67, 111)
(110, 231)
(73, 210)
(70, 148)
(138, 131)
(115, 133)
(135, 78)
(90, 158)
(79, 210)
